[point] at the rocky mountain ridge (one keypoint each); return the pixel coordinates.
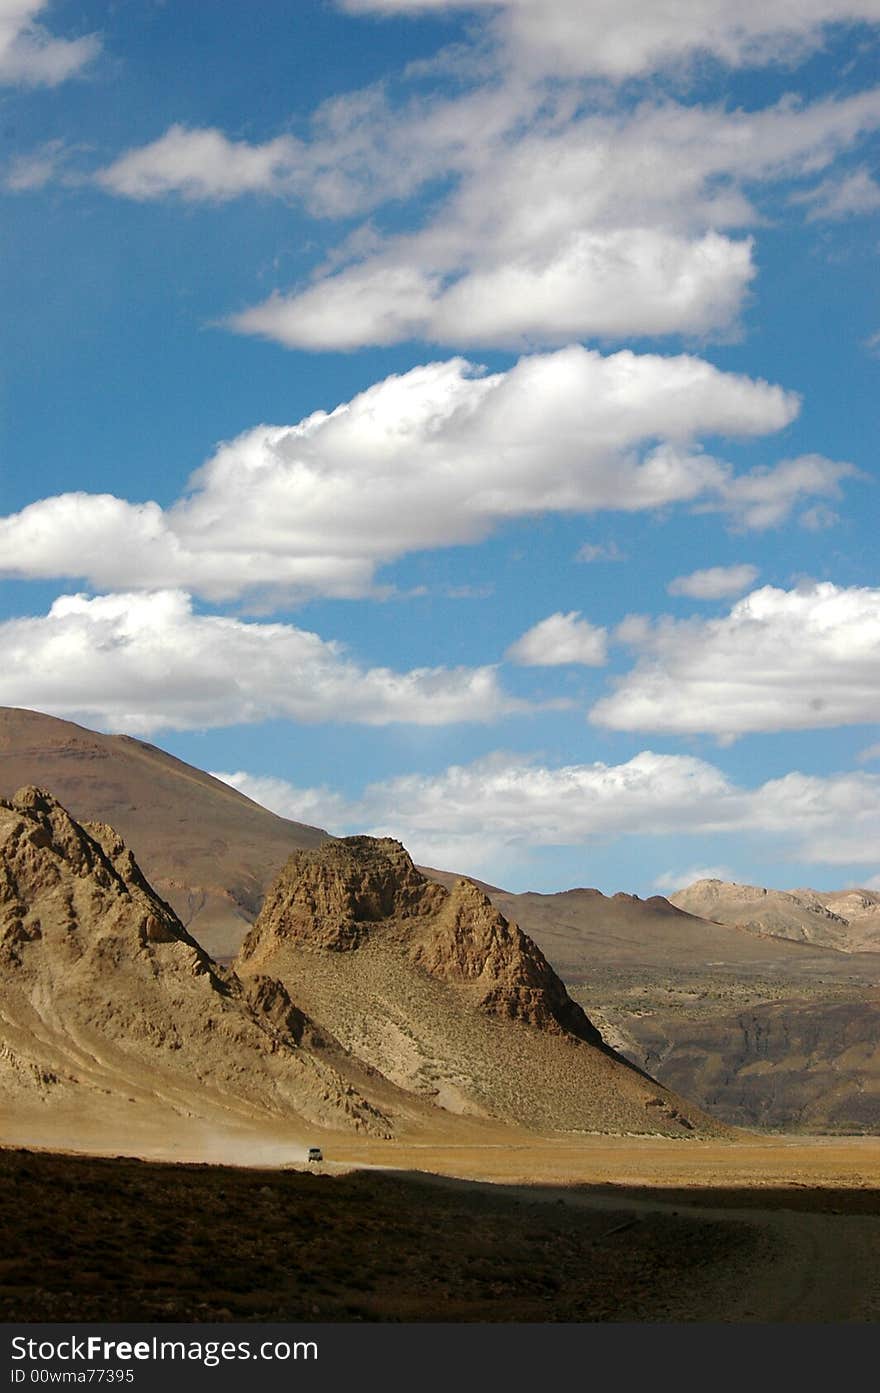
(440, 992)
(103, 991)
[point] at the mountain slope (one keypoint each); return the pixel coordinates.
(106, 1001)
(582, 929)
(208, 850)
(759, 1030)
(444, 996)
(848, 921)
(795, 1065)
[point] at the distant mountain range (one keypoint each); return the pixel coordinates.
(847, 920)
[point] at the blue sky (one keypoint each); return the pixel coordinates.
(457, 420)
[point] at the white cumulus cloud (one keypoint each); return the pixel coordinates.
(558, 639)
(715, 582)
(598, 224)
(608, 283)
(201, 164)
(619, 39)
(491, 812)
(32, 57)
(779, 660)
(435, 457)
(562, 221)
(145, 662)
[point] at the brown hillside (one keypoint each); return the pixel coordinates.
(439, 992)
(760, 1030)
(106, 1001)
(208, 850)
(582, 929)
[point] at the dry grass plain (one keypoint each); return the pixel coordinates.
(528, 1228)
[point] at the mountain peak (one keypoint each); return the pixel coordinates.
(60, 878)
(347, 891)
(335, 895)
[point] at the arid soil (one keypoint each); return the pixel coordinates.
(104, 1238)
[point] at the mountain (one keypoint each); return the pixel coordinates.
(208, 850)
(761, 1031)
(107, 1002)
(670, 990)
(415, 1009)
(444, 996)
(846, 920)
(581, 930)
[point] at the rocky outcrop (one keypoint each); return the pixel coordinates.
(56, 873)
(342, 893)
(445, 996)
(102, 988)
(332, 896)
(470, 941)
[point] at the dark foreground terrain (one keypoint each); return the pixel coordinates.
(86, 1238)
(99, 1238)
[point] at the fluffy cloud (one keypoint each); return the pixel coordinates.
(780, 660)
(561, 638)
(469, 817)
(435, 457)
(148, 662)
(201, 165)
(618, 39)
(765, 497)
(561, 223)
(609, 283)
(558, 227)
(29, 55)
(594, 169)
(607, 225)
(715, 582)
(361, 149)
